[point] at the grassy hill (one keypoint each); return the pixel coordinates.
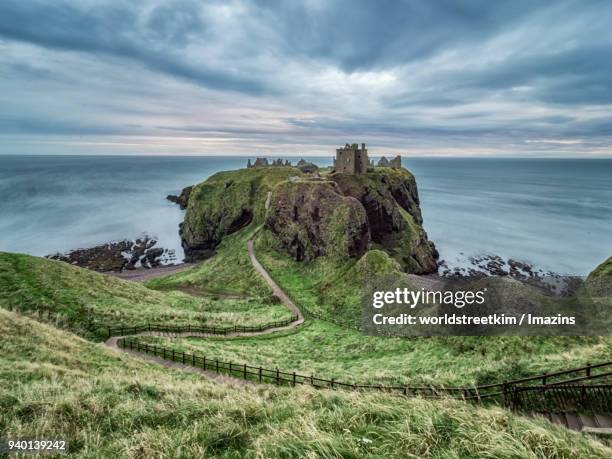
(332, 289)
(329, 351)
(603, 270)
(83, 300)
(112, 405)
(229, 271)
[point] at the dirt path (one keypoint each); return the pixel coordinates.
(144, 274)
(112, 341)
(273, 285)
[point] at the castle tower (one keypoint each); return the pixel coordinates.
(351, 159)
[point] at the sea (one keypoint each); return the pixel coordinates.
(555, 214)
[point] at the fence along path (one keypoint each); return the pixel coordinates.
(547, 393)
(117, 335)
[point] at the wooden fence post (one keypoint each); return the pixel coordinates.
(245, 371)
(260, 371)
(217, 362)
(505, 396)
(588, 369)
(277, 377)
(183, 357)
(294, 379)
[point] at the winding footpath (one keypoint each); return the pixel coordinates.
(277, 291)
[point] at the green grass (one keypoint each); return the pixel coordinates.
(329, 288)
(603, 270)
(83, 300)
(56, 385)
(229, 271)
(220, 201)
(329, 351)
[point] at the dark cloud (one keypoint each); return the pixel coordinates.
(116, 30)
(445, 73)
(363, 34)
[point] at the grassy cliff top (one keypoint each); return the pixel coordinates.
(245, 187)
(113, 405)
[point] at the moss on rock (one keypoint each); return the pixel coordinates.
(311, 219)
(391, 201)
(225, 203)
(342, 216)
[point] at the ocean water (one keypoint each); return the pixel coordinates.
(555, 214)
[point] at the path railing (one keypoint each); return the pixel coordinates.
(557, 391)
(223, 331)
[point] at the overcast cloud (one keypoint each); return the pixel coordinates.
(420, 77)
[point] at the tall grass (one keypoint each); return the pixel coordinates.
(56, 385)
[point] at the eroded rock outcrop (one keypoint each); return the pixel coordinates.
(312, 215)
(391, 201)
(311, 219)
(225, 203)
(182, 199)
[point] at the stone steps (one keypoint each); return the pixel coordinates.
(598, 423)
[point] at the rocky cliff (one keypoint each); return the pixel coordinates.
(225, 203)
(311, 219)
(339, 215)
(391, 201)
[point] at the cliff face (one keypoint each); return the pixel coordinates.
(311, 219)
(391, 201)
(342, 215)
(225, 203)
(182, 199)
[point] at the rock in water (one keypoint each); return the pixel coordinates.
(311, 219)
(117, 256)
(183, 199)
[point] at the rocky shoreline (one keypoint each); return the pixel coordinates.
(119, 256)
(490, 265)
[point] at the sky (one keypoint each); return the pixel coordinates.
(180, 77)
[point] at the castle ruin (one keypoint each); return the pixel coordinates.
(395, 163)
(351, 159)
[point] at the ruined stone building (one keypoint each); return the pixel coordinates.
(351, 159)
(263, 162)
(383, 162)
(394, 163)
